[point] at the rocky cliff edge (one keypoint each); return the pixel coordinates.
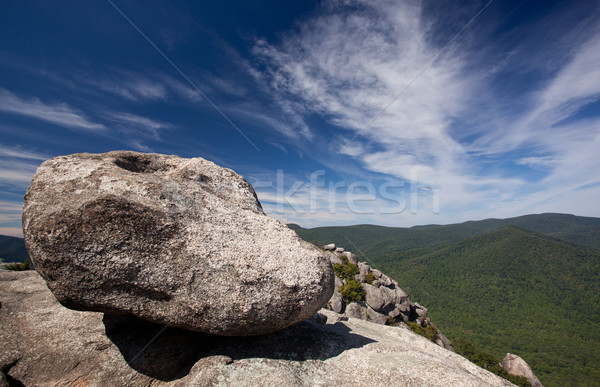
(46, 344)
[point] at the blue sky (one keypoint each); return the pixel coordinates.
(338, 112)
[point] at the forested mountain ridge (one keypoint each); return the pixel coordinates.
(528, 285)
(580, 230)
(516, 289)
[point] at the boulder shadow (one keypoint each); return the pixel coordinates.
(167, 353)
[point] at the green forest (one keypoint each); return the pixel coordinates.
(527, 285)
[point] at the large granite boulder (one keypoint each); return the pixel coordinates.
(180, 242)
(515, 365)
(45, 344)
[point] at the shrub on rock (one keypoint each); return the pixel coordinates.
(352, 291)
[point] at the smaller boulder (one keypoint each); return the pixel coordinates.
(443, 342)
(401, 297)
(380, 299)
(329, 247)
(363, 269)
(334, 258)
(337, 303)
(355, 310)
(420, 310)
(404, 308)
(515, 365)
(375, 316)
(385, 280)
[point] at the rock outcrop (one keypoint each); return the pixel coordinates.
(46, 344)
(179, 242)
(515, 365)
(384, 301)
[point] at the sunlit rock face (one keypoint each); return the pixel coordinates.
(180, 242)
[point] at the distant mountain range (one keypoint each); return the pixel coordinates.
(12, 249)
(528, 285)
(580, 230)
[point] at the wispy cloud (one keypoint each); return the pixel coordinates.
(21, 153)
(290, 126)
(17, 167)
(142, 87)
(10, 211)
(551, 107)
(577, 84)
(57, 113)
(348, 65)
(225, 86)
(137, 128)
(16, 173)
(181, 89)
(368, 70)
(550, 137)
(132, 89)
(138, 121)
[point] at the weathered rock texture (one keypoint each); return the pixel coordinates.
(181, 242)
(45, 344)
(385, 302)
(515, 365)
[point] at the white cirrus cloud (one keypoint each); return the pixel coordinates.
(21, 153)
(60, 114)
(132, 88)
(371, 71)
(17, 167)
(137, 126)
(576, 84)
(143, 88)
(16, 173)
(10, 211)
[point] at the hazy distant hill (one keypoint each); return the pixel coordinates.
(529, 285)
(294, 226)
(377, 240)
(12, 249)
